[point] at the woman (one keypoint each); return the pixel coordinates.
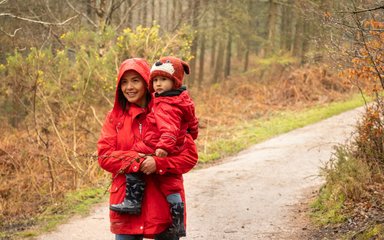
(124, 126)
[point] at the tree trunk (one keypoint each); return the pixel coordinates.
(213, 40)
(167, 15)
(160, 12)
(195, 14)
(174, 9)
(306, 43)
(298, 38)
(218, 63)
(153, 13)
(246, 57)
(201, 61)
(139, 15)
(272, 21)
(130, 18)
(89, 9)
(286, 26)
(145, 14)
(227, 69)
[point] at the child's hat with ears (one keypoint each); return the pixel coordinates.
(170, 67)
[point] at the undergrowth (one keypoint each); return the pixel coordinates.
(73, 203)
(233, 115)
(350, 205)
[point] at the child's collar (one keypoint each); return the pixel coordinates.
(171, 93)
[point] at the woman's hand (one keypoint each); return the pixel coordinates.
(148, 166)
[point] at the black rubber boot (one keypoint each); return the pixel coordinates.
(167, 235)
(134, 192)
(177, 213)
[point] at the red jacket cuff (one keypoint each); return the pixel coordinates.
(162, 165)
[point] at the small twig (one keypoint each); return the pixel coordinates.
(106, 98)
(366, 10)
(10, 35)
(63, 145)
(126, 14)
(3, 152)
(82, 14)
(121, 171)
(94, 114)
(36, 21)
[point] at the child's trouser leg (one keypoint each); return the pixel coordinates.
(134, 192)
(177, 228)
(177, 212)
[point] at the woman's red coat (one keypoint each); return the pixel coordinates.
(121, 130)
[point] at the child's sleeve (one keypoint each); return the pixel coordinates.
(168, 121)
(181, 163)
(193, 123)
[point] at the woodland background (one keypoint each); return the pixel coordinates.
(248, 58)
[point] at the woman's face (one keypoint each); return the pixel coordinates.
(134, 88)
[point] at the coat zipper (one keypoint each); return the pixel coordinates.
(118, 127)
(140, 128)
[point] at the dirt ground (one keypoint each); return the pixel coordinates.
(261, 193)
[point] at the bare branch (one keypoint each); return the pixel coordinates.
(112, 7)
(368, 10)
(36, 21)
(82, 14)
(8, 34)
(50, 11)
(126, 14)
(97, 119)
(363, 10)
(4, 1)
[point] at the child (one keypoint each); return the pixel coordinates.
(171, 118)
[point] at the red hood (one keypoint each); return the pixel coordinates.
(137, 64)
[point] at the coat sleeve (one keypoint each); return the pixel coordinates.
(180, 164)
(109, 158)
(193, 127)
(168, 121)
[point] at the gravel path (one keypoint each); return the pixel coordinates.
(249, 196)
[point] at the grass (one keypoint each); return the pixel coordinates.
(373, 232)
(74, 203)
(255, 131)
(327, 208)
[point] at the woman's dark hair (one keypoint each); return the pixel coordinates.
(122, 100)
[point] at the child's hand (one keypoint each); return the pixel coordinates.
(161, 153)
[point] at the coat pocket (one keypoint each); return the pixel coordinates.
(117, 190)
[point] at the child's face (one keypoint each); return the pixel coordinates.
(162, 84)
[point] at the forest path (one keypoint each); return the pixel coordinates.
(249, 196)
